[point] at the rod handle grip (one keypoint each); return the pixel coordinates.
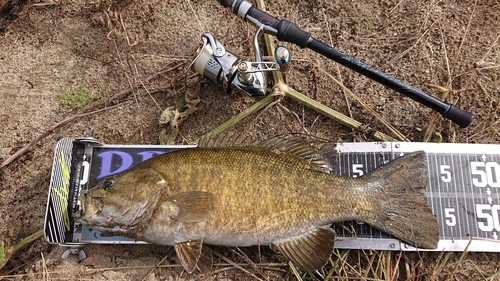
(289, 32)
(460, 117)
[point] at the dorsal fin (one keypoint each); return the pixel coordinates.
(314, 153)
(309, 151)
(225, 139)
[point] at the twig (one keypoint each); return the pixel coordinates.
(339, 117)
(413, 46)
(200, 23)
(431, 125)
(395, 6)
(154, 268)
(467, 29)
(337, 64)
(47, 133)
(236, 265)
(45, 275)
(366, 106)
(249, 261)
(87, 111)
(233, 121)
(295, 271)
(491, 47)
(270, 266)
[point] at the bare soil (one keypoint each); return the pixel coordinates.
(51, 48)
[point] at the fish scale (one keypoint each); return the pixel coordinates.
(262, 198)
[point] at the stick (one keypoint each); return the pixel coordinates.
(87, 111)
(47, 133)
(236, 265)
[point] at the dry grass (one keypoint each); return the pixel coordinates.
(344, 265)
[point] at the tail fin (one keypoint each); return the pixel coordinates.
(403, 211)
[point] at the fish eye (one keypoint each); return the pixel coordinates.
(108, 184)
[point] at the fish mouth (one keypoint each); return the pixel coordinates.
(88, 207)
(78, 214)
(81, 212)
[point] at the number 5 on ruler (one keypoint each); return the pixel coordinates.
(357, 170)
(445, 173)
(451, 220)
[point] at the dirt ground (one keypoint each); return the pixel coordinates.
(55, 51)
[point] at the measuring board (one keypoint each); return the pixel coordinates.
(463, 190)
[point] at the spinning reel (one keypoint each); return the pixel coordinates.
(226, 70)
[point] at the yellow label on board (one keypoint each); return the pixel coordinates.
(62, 191)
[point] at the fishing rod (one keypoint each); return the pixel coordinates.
(287, 31)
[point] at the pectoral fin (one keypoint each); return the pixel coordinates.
(189, 253)
(192, 206)
(310, 251)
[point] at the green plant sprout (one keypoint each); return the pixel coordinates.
(78, 97)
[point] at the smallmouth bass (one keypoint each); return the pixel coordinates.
(277, 193)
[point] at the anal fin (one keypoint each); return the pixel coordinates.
(310, 251)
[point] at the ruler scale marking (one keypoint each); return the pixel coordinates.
(450, 189)
(466, 180)
(456, 175)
